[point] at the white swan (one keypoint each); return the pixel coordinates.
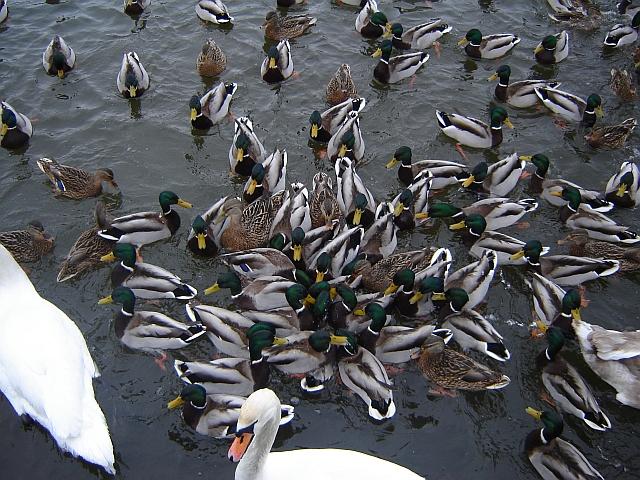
(256, 430)
(47, 373)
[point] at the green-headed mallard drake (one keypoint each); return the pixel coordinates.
(553, 48)
(548, 453)
(206, 229)
(571, 107)
(488, 46)
(213, 11)
(403, 210)
(347, 141)
(394, 69)
(498, 212)
(342, 249)
(215, 415)
(381, 238)
(211, 60)
(472, 132)
(622, 187)
(473, 332)
(324, 206)
(419, 37)
(27, 245)
(611, 136)
(149, 332)
(16, 127)
(497, 179)
(420, 190)
(613, 356)
(370, 22)
(565, 385)
(58, 58)
(417, 296)
(212, 107)
(622, 84)
(135, 7)
(598, 226)
(580, 244)
(621, 34)
(356, 201)
(324, 125)
(453, 370)
(146, 227)
(72, 182)
(551, 304)
(4, 10)
(144, 279)
(444, 173)
(341, 87)
(246, 149)
(249, 226)
(267, 177)
(264, 293)
(259, 262)
(282, 28)
(278, 64)
(133, 79)
(519, 94)
(552, 188)
(474, 278)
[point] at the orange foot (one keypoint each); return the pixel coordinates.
(562, 124)
(442, 392)
(231, 117)
(524, 175)
(412, 81)
(437, 48)
(536, 333)
(461, 152)
(393, 370)
(298, 376)
(295, 75)
(545, 397)
(584, 302)
(522, 225)
(160, 361)
(139, 255)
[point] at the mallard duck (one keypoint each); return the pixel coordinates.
(403, 210)
(283, 28)
(324, 206)
(552, 191)
(278, 64)
(206, 229)
(133, 79)
(611, 136)
(453, 370)
(4, 10)
(496, 179)
(259, 262)
(566, 386)
(27, 245)
(428, 286)
(444, 173)
(213, 11)
(621, 34)
(473, 332)
(474, 278)
(324, 125)
(370, 22)
(56, 365)
(212, 107)
(394, 69)
(144, 279)
(421, 191)
(622, 84)
(211, 60)
(246, 149)
(249, 226)
(350, 186)
(597, 225)
(16, 127)
(580, 244)
(553, 48)
(72, 182)
(268, 177)
(622, 187)
(264, 293)
(579, 13)
(150, 332)
(627, 7)
(571, 107)
(135, 7)
(519, 94)
(613, 356)
(497, 212)
(347, 141)
(146, 227)
(548, 453)
(342, 249)
(472, 132)
(288, 213)
(381, 238)
(341, 87)
(379, 276)
(489, 46)
(553, 305)
(58, 58)
(419, 37)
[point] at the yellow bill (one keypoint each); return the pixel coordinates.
(526, 158)
(458, 226)
(105, 300)
(622, 189)
(493, 77)
(184, 203)
(109, 257)
(194, 114)
(357, 216)
(133, 91)
(439, 296)
(202, 244)
(391, 289)
(252, 187)
(397, 210)
(212, 289)
(575, 313)
(507, 122)
(314, 131)
(467, 183)
(534, 413)
(377, 53)
(297, 253)
(239, 154)
(517, 256)
(391, 163)
(175, 403)
(462, 42)
(416, 298)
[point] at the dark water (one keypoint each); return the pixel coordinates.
(82, 121)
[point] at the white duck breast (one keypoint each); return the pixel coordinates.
(130, 70)
(564, 104)
(475, 278)
(613, 188)
(368, 9)
(424, 35)
(213, 11)
(473, 332)
(50, 378)
(56, 45)
(547, 298)
(215, 103)
(284, 62)
(351, 123)
(621, 35)
(349, 185)
(4, 10)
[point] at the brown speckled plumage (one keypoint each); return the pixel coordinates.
(211, 61)
(75, 183)
(280, 28)
(377, 277)
(323, 207)
(27, 245)
(581, 245)
(341, 86)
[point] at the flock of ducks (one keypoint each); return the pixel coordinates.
(318, 286)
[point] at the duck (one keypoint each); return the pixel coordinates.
(278, 64)
(207, 228)
(58, 58)
(381, 238)
(566, 9)
(490, 46)
(249, 225)
(611, 136)
(136, 7)
(285, 28)
(213, 11)
(246, 149)
(16, 128)
(133, 79)
(597, 225)
(370, 22)
(324, 206)
(341, 86)
(580, 244)
(350, 185)
(497, 179)
(258, 262)
(613, 356)
(262, 293)
(32, 379)
(455, 371)
(622, 84)
(404, 211)
(571, 107)
(472, 331)
(144, 279)
(497, 212)
(420, 190)
(211, 60)
(472, 132)
(378, 277)
(519, 94)
(347, 140)
(474, 278)
(212, 107)
(444, 173)
(622, 187)
(627, 7)
(150, 332)
(87, 250)
(29, 244)
(324, 125)
(566, 386)
(621, 34)
(342, 249)
(421, 36)
(256, 431)
(75, 183)
(4, 10)
(552, 193)
(553, 48)
(548, 453)
(395, 69)
(267, 177)
(552, 304)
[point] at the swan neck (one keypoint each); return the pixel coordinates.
(252, 463)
